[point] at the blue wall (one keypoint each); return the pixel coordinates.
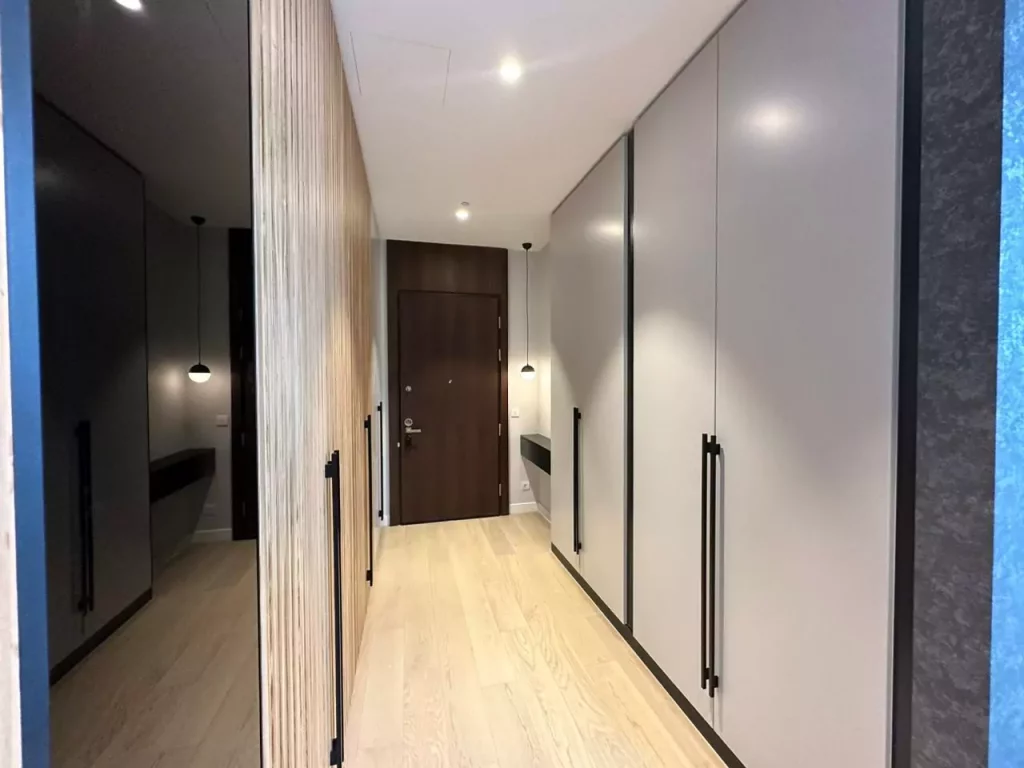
(1006, 716)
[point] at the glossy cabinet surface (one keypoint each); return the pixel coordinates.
(91, 243)
(807, 230)
(588, 372)
(674, 365)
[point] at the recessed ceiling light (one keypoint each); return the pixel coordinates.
(511, 69)
(131, 5)
(462, 214)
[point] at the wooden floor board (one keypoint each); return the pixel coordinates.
(481, 651)
(178, 685)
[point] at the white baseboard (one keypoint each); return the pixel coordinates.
(211, 537)
(522, 509)
(544, 512)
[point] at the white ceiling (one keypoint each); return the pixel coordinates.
(438, 126)
(167, 88)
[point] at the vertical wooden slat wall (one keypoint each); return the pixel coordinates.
(10, 696)
(313, 336)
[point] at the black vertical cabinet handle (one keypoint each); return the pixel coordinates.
(705, 451)
(380, 431)
(332, 471)
(714, 450)
(83, 437)
(368, 426)
(577, 543)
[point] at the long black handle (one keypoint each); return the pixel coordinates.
(83, 436)
(715, 451)
(368, 426)
(380, 431)
(332, 471)
(705, 450)
(577, 543)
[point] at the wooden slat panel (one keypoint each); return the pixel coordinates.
(313, 332)
(10, 697)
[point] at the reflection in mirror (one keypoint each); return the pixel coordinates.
(141, 123)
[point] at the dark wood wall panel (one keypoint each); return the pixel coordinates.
(414, 266)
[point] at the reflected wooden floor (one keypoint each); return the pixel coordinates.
(176, 687)
(481, 651)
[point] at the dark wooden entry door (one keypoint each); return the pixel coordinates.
(450, 396)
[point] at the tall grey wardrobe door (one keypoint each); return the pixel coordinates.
(808, 170)
(61, 359)
(568, 301)
(674, 365)
(92, 305)
(588, 361)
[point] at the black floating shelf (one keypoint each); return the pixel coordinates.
(178, 470)
(536, 449)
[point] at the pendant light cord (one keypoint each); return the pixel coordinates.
(199, 298)
(527, 306)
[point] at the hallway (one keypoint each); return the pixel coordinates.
(480, 650)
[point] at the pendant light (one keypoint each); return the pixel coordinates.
(528, 372)
(199, 373)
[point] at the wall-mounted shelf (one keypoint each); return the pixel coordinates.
(536, 449)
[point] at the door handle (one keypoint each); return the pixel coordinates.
(368, 425)
(411, 431)
(577, 543)
(714, 451)
(332, 471)
(83, 435)
(705, 447)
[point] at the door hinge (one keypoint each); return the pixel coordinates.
(499, 429)
(335, 756)
(499, 355)
(499, 489)
(499, 322)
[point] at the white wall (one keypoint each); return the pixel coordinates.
(184, 414)
(532, 399)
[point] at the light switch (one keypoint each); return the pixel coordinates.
(526, 485)
(222, 420)
(514, 413)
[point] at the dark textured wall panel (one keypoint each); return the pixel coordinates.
(957, 335)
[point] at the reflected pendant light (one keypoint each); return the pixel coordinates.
(528, 372)
(199, 373)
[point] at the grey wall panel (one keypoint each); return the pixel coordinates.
(808, 185)
(675, 178)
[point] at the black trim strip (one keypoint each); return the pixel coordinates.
(906, 419)
(702, 725)
(714, 451)
(630, 269)
(78, 655)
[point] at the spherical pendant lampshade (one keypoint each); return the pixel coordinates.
(199, 373)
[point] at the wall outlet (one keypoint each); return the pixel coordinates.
(526, 485)
(514, 413)
(222, 419)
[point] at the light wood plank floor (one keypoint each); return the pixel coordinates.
(481, 651)
(178, 685)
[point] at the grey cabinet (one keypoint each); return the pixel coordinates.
(766, 188)
(674, 365)
(91, 244)
(588, 332)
